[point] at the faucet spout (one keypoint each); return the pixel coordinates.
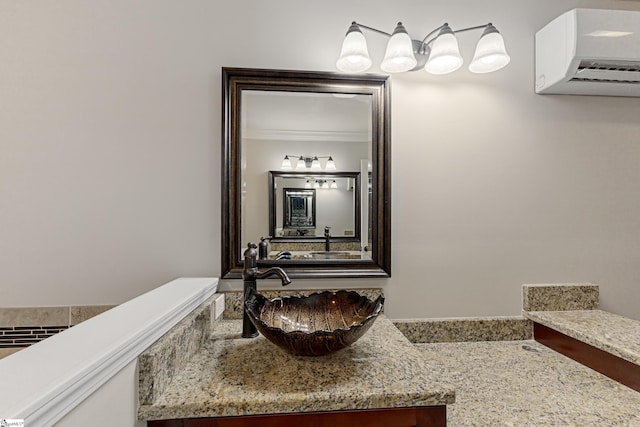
(274, 271)
(250, 274)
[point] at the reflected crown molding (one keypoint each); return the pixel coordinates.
(307, 135)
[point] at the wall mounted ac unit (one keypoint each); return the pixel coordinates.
(589, 52)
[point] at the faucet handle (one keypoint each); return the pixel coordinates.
(250, 256)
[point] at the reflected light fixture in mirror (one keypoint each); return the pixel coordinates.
(307, 162)
(436, 54)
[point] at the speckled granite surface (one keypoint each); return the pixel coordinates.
(166, 357)
(313, 246)
(234, 299)
(235, 376)
(466, 329)
(501, 384)
(557, 297)
(615, 334)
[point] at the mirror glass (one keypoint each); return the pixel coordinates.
(297, 146)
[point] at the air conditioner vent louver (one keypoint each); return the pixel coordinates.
(590, 71)
(577, 79)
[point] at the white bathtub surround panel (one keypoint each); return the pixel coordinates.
(44, 382)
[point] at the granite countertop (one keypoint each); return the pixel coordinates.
(614, 334)
(321, 254)
(525, 384)
(232, 376)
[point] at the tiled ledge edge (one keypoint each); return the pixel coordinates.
(466, 329)
(21, 327)
(49, 316)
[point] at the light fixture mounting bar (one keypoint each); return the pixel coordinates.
(375, 30)
(424, 40)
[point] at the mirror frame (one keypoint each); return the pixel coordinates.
(324, 175)
(236, 80)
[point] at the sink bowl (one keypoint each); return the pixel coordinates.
(315, 325)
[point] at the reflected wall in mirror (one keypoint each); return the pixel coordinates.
(297, 131)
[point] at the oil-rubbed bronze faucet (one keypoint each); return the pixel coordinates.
(249, 275)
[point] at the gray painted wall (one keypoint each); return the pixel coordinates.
(110, 153)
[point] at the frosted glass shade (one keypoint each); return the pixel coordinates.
(286, 164)
(315, 164)
(490, 55)
(331, 165)
(354, 56)
(445, 55)
(399, 55)
(301, 165)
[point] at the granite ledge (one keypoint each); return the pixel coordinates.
(524, 383)
(158, 365)
(466, 329)
(609, 332)
(560, 297)
(232, 376)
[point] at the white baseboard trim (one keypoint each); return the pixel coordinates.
(42, 383)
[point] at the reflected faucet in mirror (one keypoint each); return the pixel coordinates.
(327, 238)
(250, 274)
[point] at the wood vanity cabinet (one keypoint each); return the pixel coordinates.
(426, 416)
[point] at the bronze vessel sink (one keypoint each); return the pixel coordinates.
(315, 325)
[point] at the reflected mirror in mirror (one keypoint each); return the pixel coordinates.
(299, 211)
(297, 145)
(332, 200)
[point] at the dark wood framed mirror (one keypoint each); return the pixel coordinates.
(270, 115)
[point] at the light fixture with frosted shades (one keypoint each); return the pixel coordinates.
(307, 163)
(436, 53)
(321, 184)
